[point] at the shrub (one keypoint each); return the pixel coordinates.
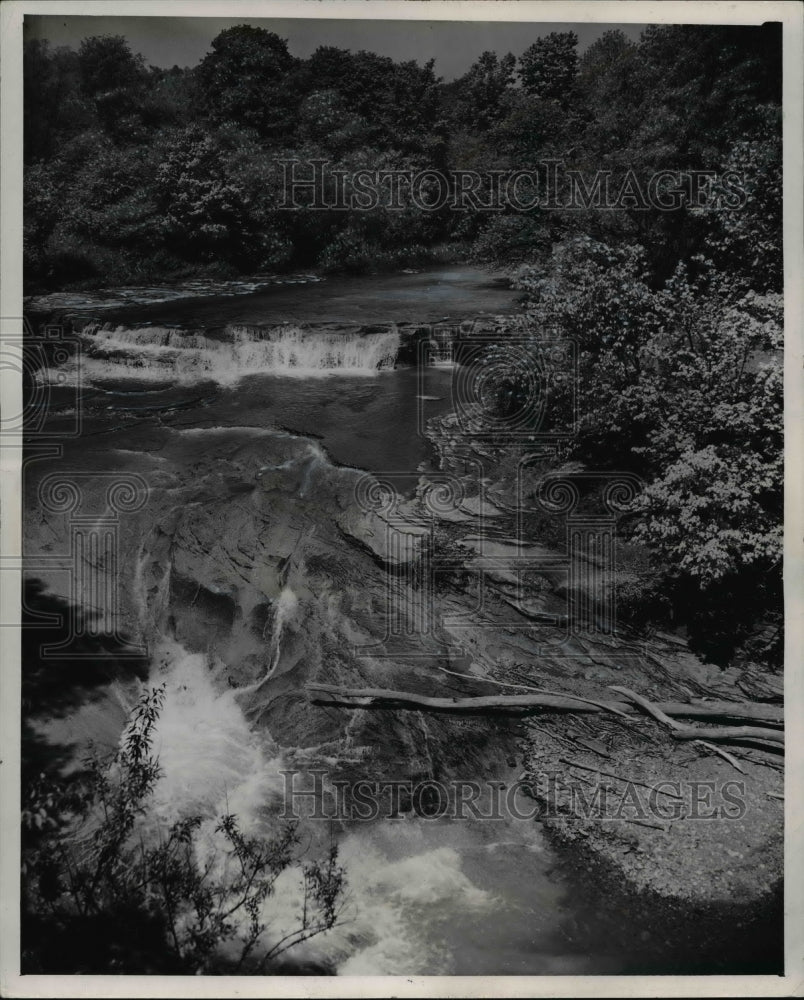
(105, 890)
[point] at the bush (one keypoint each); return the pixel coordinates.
(681, 384)
(105, 890)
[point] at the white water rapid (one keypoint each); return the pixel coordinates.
(163, 353)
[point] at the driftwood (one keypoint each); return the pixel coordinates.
(333, 694)
(604, 706)
(383, 697)
(722, 753)
(681, 732)
(618, 777)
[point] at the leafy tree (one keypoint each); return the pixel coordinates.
(611, 91)
(532, 129)
(398, 102)
(711, 82)
(245, 79)
(112, 80)
(173, 97)
(743, 235)
(482, 91)
(106, 63)
(512, 239)
(680, 99)
(682, 384)
(106, 890)
(203, 213)
(325, 119)
(548, 68)
(54, 105)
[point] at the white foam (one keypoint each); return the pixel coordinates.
(211, 761)
(163, 354)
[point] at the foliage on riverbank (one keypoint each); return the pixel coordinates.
(135, 173)
(682, 385)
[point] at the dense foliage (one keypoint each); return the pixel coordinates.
(681, 383)
(135, 172)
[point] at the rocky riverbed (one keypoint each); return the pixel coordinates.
(253, 555)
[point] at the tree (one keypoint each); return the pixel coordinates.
(107, 63)
(106, 890)
(245, 80)
(744, 234)
(481, 92)
(610, 89)
(54, 106)
(682, 385)
(548, 68)
(203, 213)
(398, 102)
(115, 81)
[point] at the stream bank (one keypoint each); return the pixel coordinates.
(264, 559)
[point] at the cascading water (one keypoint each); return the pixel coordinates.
(404, 880)
(210, 758)
(424, 895)
(285, 607)
(161, 353)
(293, 351)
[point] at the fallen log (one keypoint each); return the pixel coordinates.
(730, 733)
(681, 732)
(527, 687)
(706, 710)
(722, 753)
(383, 697)
(769, 714)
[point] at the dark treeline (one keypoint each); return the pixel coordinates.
(139, 173)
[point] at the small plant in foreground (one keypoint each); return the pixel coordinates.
(106, 890)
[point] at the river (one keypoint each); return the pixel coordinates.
(251, 570)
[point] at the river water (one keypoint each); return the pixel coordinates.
(251, 442)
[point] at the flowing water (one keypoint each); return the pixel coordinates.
(426, 896)
(252, 432)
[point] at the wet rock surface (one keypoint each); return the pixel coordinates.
(700, 868)
(283, 568)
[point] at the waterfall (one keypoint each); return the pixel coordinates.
(285, 607)
(290, 350)
(401, 887)
(405, 879)
(211, 760)
(166, 354)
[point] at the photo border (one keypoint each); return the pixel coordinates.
(12, 984)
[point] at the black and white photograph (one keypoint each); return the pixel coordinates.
(395, 506)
